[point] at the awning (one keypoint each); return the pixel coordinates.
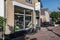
(22, 5)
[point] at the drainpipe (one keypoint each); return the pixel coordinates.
(39, 16)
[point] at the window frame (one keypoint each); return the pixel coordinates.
(29, 1)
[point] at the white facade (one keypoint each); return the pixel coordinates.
(2, 8)
(47, 16)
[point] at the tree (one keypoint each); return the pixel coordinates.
(58, 14)
(2, 20)
(55, 16)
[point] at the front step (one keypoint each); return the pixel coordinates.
(43, 28)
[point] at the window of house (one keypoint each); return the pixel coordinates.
(29, 1)
(38, 0)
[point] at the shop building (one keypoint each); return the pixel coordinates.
(20, 13)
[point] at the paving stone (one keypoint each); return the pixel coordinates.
(0, 35)
(43, 35)
(54, 29)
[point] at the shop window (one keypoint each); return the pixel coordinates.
(29, 1)
(28, 22)
(22, 19)
(19, 22)
(28, 19)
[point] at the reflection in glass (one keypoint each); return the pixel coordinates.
(19, 22)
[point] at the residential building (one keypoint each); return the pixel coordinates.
(45, 15)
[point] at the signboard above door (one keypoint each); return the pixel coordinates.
(37, 6)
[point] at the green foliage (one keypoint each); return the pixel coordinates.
(2, 20)
(58, 14)
(55, 16)
(17, 27)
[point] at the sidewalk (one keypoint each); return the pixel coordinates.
(43, 35)
(56, 30)
(0, 35)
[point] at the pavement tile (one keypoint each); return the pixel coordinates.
(55, 29)
(43, 35)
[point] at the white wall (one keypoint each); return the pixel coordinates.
(47, 16)
(2, 8)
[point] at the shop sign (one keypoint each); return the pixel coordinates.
(37, 6)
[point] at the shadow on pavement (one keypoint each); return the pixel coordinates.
(1, 35)
(33, 39)
(20, 35)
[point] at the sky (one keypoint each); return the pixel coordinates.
(52, 5)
